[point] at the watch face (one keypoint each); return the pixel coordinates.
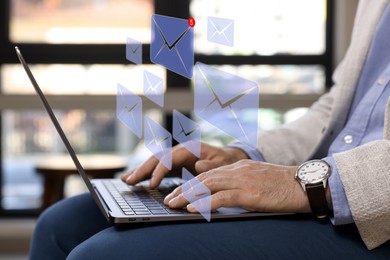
(313, 172)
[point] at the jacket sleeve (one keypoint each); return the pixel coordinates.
(365, 174)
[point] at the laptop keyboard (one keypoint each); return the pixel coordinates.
(140, 200)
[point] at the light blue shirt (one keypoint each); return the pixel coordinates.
(366, 116)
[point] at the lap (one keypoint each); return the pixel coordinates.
(296, 236)
(293, 237)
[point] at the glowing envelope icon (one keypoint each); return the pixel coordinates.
(134, 51)
(154, 88)
(221, 98)
(220, 30)
(129, 109)
(172, 44)
(197, 194)
(186, 132)
(158, 141)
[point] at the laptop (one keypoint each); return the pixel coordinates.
(122, 203)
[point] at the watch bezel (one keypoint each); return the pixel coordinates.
(324, 178)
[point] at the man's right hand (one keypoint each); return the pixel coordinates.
(210, 157)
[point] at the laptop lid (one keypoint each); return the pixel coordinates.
(62, 135)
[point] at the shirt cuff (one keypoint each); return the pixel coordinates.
(253, 154)
(341, 212)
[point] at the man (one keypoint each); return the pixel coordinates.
(347, 131)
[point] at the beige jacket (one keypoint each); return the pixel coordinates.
(364, 171)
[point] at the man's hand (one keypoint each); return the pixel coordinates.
(210, 157)
(251, 185)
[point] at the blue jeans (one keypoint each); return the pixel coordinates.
(75, 229)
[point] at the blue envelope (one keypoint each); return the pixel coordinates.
(158, 141)
(197, 194)
(172, 44)
(129, 109)
(220, 30)
(221, 98)
(154, 88)
(186, 132)
(134, 51)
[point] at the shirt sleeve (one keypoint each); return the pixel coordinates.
(253, 154)
(341, 212)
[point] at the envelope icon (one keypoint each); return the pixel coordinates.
(172, 44)
(197, 194)
(221, 98)
(220, 30)
(158, 141)
(129, 109)
(134, 51)
(153, 88)
(186, 132)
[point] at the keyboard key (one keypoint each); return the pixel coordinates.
(142, 212)
(174, 211)
(159, 212)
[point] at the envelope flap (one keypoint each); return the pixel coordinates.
(170, 27)
(221, 24)
(126, 97)
(157, 133)
(222, 84)
(152, 80)
(183, 123)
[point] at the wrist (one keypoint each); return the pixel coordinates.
(236, 154)
(301, 199)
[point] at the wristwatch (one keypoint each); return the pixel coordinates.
(313, 176)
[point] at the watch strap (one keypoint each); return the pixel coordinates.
(317, 200)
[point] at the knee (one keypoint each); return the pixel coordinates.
(45, 225)
(45, 240)
(57, 225)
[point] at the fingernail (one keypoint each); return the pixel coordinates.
(172, 202)
(168, 198)
(191, 208)
(129, 178)
(152, 182)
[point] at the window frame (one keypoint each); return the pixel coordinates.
(43, 53)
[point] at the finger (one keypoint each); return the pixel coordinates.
(157, 175)
(226, 198)
(180, 157)
(221, 172)
(193, 190)
(143, 171)
(126, 175)
(178, 202)
(176, 192)
(190, 191)
(206, 165)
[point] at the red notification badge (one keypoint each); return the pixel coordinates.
(191, 22)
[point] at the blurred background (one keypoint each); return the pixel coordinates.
(76, 49)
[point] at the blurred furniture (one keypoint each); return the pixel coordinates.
(55, 169)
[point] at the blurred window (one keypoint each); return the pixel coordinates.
(264, 27)
(77, 48)
(75, 21)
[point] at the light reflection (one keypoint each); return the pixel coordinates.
(76, 79)
(264, 27)
(89, 21)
